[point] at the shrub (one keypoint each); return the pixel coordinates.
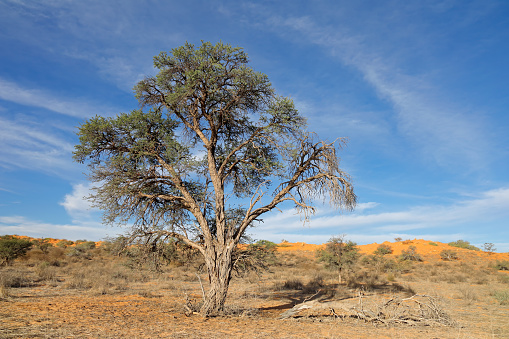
(293, 284)
(12, 248)
(383, 249)
(42, 244)
(398, 239)
(254, 257)
(463, 244)
(339, 254)
(448, 255)
(433, 243)
(502, 297)
(502, 265)
(65, 243)
(410, 254)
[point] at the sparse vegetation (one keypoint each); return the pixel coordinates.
(432, 243)
(448, 255)
(376, 288)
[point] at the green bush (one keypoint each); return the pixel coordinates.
(339, 255)
(463, 244)
(65, 243)
(383, 249)
(432, 243)
(410, 254)
(12, 248)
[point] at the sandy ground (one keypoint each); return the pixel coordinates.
(154, 309)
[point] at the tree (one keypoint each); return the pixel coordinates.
(339, 254)
(196, 160)
(489, 247)
(11, 248)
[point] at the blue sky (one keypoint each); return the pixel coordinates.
(420, 88)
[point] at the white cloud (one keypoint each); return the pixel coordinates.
(465, 215)
(76, 203)
(440, 129)
(84, 230)
(34, 146)
(13, 92)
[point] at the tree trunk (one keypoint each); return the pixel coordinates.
(219, 268)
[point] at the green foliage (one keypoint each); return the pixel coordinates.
(42, 244)
(410, 254)
(448, 255)
(12, 248)
(194, 161)
(432, 243)
(463, 244)
(339, 254)
(379, 263)
(383, 249)
(65, 243)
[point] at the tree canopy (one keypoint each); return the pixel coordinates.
(195, 162)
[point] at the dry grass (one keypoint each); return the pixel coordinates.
(112, 300)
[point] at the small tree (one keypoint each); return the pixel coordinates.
(196, 164)
(12, 248)
(489, 247)
(339, 255)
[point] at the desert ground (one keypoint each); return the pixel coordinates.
(58, 292)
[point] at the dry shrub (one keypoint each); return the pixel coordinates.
(293, 284)
(46, 272)
(501, 296)
(14, 278)
(467, 293)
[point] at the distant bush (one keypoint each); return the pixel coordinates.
(398, 239)
(12, 248)
(339, 254)
(433, 243)
(502, 265)
(65, 243)
(448, 255)
(269, 245)
(383, 249)
(463, 244)
(410, 254)
(42, 244)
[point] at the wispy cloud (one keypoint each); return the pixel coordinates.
(11, 91)
(35, 147)
(443, 130)
(467, 212)
(24, 226)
